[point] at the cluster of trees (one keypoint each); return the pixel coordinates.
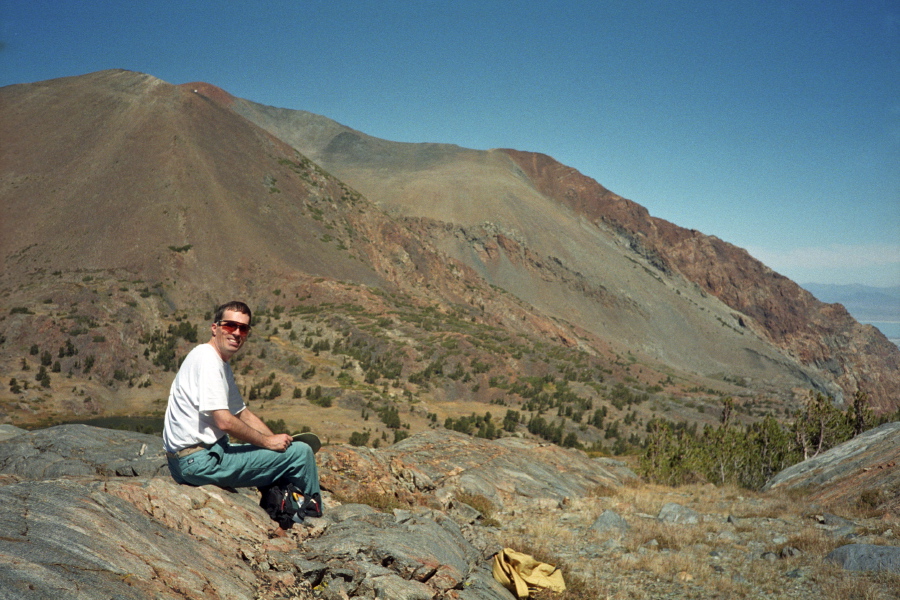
(161, 346)
(46, 360)
(538, 397)
(317, 397)
(620, 396)
(481, 426)
(551, 432)
(375, 360)
(390, 416)
(258, 390)
(361, 438)
(749, 455)
(434, 369)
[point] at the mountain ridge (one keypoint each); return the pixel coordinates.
(139, 204)
(788, 316)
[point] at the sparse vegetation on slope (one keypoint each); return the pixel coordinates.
(423, 362)
(414, 366)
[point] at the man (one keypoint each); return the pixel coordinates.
(205, 408)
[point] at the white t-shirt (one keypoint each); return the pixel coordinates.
(204, 383)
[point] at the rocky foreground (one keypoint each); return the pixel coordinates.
(92, 513)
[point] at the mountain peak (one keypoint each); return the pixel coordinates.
(210, 91)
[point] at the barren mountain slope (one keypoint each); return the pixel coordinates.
(121, 170)
(133, 206)
(118, 170)
(565, 244)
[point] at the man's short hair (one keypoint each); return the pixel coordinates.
(235, 306)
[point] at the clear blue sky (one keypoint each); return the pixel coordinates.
(774, 125)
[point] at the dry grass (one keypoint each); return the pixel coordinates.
(480, 503)
(665, 565)
(812, 541)
(717, 558)
(854, 586)
(603, 491)
(666, 537)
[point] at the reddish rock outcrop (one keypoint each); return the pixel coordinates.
(856, 357)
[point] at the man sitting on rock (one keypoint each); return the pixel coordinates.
(205, 408)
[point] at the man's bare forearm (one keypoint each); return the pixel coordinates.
(237, 427)
(253, 421)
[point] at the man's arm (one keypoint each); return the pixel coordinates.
(255, 422)
(244, 428)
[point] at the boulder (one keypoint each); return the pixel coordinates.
(82, 450)
(436, 463)
(864, 469)
(673, 512)
(71, 538)
(866, 557)
(426, 547)
(610, 521)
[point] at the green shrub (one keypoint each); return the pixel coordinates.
(390, 416)
(359, 439)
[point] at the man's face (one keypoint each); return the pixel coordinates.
(227, 337)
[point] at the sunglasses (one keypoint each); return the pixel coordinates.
(232, 326)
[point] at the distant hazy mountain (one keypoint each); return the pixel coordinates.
(866, 303)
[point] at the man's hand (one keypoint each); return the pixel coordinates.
(278, 442)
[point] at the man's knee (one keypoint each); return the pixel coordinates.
(302, 452)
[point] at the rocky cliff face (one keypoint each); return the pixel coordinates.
(825, 336)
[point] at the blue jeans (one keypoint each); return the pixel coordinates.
(248, 466)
